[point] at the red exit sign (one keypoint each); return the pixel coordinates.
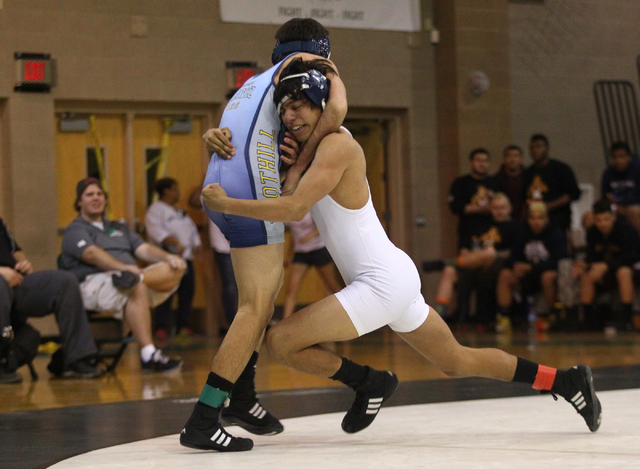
(34, 70)
(242, 75)
(238, 73)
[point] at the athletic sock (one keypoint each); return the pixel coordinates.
(592, 321)
(542, 378)
(215, 391)
(244, 390)
(627, 314)
(351, 374)
(147, 352)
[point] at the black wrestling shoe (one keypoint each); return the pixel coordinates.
(370, 396)
(583, 396)
(254, 419)
(203, 431)
(433, 266)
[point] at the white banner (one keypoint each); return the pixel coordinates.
(388, 15)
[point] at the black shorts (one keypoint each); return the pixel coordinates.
(530, 283)
(317, 258)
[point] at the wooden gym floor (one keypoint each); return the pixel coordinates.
(50, 420)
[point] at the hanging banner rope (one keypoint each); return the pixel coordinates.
(99, 158)
(161, 160)
(161, 170)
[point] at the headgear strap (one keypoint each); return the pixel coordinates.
(318, 46)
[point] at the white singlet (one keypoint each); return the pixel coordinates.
(383, 284)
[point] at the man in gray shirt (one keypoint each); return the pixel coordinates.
(103, 255)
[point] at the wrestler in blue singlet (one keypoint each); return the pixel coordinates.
(254, 173)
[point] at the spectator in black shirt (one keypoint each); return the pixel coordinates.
(481, 257)
(511, 176)
(533, 263)
(621, 183)
(25, 293)
(469, 195)
(612, 249)
(550, 181)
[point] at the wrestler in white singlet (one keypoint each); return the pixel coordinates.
(383, 284)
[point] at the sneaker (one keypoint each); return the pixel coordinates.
(203, 431)
(185, 337)
(81, 369)
(433, 266)
(583, 396)
(9, 377)
(370, 396)
(254, 419)
(503, 324)
(56, 365)
(125, 280)
(160, 363)
(186, 332)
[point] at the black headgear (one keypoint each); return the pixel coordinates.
(312, 83)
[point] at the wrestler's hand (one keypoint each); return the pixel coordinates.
(290, 150)
(24, 267)
(214, 197)
(291, 181)
(219, 141)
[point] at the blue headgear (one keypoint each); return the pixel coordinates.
(318, 46)
(314, 84)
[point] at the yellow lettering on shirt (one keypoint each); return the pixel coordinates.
(270, 192)
(268, 165)
(264, 178)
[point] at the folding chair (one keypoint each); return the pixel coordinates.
(107, 333)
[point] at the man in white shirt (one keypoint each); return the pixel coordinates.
(169, 227)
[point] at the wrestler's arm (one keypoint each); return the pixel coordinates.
(332, 160)
(329, 122)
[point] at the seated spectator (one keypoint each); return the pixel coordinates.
(102, 254)
(307, 250)
(169, 227)
(469, 195)
(533, 265)
(621, 183)
(25, 294)
(511, 176)
(480, 259)
(552, 182)
(612, 249)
